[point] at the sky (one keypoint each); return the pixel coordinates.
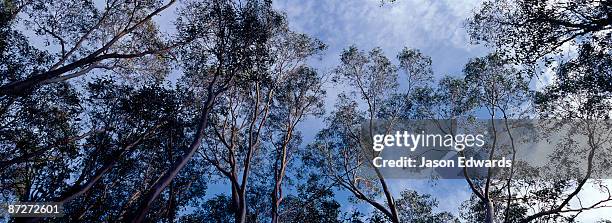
(435, 27)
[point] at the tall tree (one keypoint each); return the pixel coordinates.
(228, 45)
(298, 96)
(501, 92)
(122, 140)
(343, 152)
(533, 30)
(257, 118)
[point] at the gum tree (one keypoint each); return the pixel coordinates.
(228, 45)
(254, 127)
(373, 82)
(539, 31)
(498, 89)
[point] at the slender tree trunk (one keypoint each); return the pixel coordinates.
(243, 208)
(390, 201)
(171, 192)
(489, 216)
(274, 214)
(236, 201)
(279, 174)
(275, 200)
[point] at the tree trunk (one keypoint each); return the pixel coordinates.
(236, 201)
(275, 203)
(490, 213)
(243, 208)
(279, 174)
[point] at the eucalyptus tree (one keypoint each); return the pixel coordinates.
(129, 140)
(227, 47)
(299, 94)
(68, 39)
(254, 127)
(415, 100)
(38, 134)
(580, 93)
(373, 94)
(237, 131)
(72, 38)
(579, 87)
(165, 129)
(525, 193)
(502, 93)
(373, 78)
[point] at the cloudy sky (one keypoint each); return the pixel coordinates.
(435, 27)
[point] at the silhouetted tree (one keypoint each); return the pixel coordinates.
(533, 29)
